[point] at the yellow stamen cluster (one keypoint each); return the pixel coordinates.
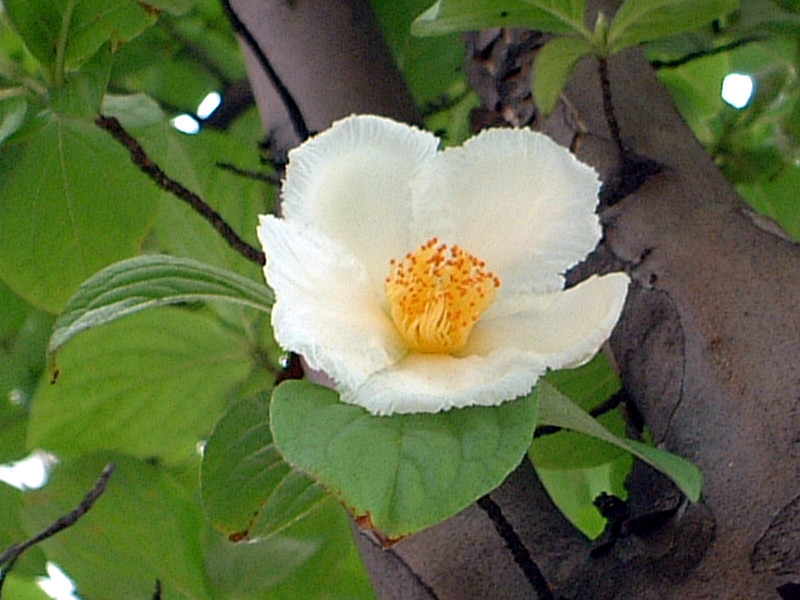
(437, 294)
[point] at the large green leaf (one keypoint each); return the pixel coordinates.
(136, 284)
(557, 409)
(639, 21)
(151, 385)
(336, 571)
(554, 16)
(70, 31)
(554, 65)
(404, 472)
(71, 203)
(249, 491)
(145, 527)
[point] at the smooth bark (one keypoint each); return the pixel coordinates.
(708, 345)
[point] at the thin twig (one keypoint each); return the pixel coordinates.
(671, 64)
(152, 170)
(518, 550)
(258, 176)
(292, 108)
(14, 552)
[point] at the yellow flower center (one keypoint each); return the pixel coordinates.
(437, 294)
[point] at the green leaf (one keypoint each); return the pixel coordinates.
(193, 160)
(588, 385)
(404, 472)
(23, 338)
(32, 562)
(151, 385)
(431, 65)
(244, 571)
(83, 91)
(575, 468)
(695, 89)
(71, 31)
(554, 65)
(638, 21)
(144, 527)
(776, 198)
(12, 116)
(175, 7)
(336, 571)
(21, 588)
(553, 16)
(570, 450)
(574, 490)
(143, 282)
(71, 203)
(558, 410)
(163, 62)
(249, 491)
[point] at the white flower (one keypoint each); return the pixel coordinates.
(421, 280)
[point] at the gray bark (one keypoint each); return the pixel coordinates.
(708, 344)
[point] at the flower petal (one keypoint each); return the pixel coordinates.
(563, 329)
(429, 383)
(510, 348)
(325, 308)
(517, 200)
(352, 183)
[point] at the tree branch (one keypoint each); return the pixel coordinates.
(11, 555)
(152, 170)
(292, 108)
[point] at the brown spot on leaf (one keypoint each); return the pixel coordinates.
(239, 536)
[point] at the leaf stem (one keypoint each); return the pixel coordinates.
(61, 44)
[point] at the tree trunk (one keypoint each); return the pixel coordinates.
(708, 344)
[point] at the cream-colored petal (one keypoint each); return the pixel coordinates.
(563, 329)
(517, 200)
(429, 383)
(325, 307)
(352, 183)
